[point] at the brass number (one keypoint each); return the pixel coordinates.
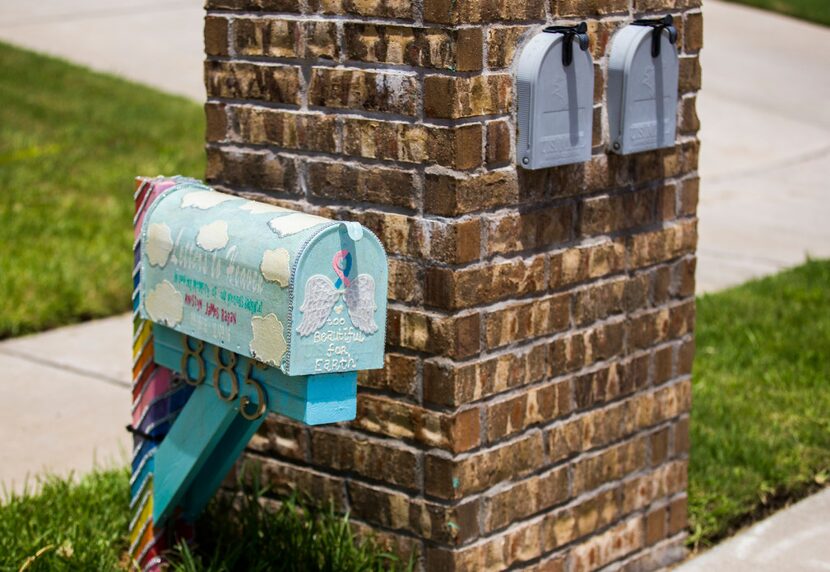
(195, 353)
(228, 369)
(260, 394)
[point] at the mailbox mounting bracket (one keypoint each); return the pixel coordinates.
(659, 24)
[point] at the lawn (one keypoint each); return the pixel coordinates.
(83, 526)
(71, 142)
(817, 11)
(760, 417)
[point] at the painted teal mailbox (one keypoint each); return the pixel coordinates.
(257, 308)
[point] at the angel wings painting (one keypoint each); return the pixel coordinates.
(321, 295)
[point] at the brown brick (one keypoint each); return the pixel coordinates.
(280, 38)
(399, 375)
(656, 525)
(660, 245)
(527, 320)
(281, 436)
(404, 546)
(254, 5)
(475, 11)
(690, 190)
(455, 432)
(582, 349)
(457, 147)
(690, 74)
(502, 43)
(379, 8)
(405, 281)
(457, 336)
(677, 515)
(473, 286)
(450, 195)
(368, 458)
(457, 242)
(272, 83)
(514, 546)
(452, 97)
(642, 490)
(450, 384)
(622, 539)
(539, 228)
(283, 478)
(260, 170)
(689, 121)
(610, 214)
(579, 264)
(364, 90)
(448, 525)
(216, 36)
(216, 122)
(571, 523)
(526, 498)
(693, 32)
(609, 465)
(449, 478)
(287, 129)
(499, 145)
(537, 406)
(338, 180)
(599, 301)
(586, 8)
(459, 50)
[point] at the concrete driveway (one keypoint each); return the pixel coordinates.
(157, 42)
(765, 151)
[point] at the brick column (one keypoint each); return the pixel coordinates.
(534, 406)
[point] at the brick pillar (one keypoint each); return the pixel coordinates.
(534, 406)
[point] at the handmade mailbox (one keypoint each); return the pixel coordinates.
(249, 308)
(556, 93)
(642, 86)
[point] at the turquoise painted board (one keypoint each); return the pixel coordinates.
(189, 461)
(313, 399)
(301, 293)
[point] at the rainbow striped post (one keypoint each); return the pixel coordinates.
(158, 397)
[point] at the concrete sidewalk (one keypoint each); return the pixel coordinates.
(797, 538)
(66, 401)
(765, 151)
(157, 42)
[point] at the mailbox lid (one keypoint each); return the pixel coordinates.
(642, 91)
(339, 291)
(555, 104)
(221, 268)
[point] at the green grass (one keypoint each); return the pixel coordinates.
(760, 427)
(817, 11)
(71, 143)
(67, 526)
(83, 526)
(295, 537)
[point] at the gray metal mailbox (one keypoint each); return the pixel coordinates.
(556, 94)
(642, 87)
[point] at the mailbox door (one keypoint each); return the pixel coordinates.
(338, 316)
(555, 104)
(642, 92)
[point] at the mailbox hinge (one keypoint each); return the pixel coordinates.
(580, 32)
(659, 24)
